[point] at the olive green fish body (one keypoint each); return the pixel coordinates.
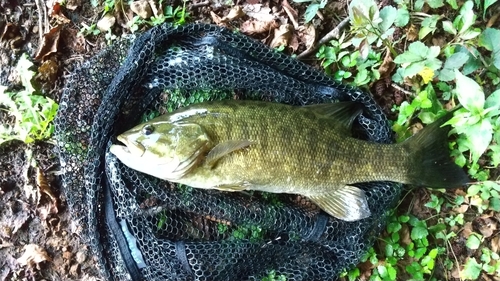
(252, 145)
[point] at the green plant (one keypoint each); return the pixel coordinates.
(312, 8)
(87, 30)
(271, 276)
(33, 113)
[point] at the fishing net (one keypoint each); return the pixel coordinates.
(142, 228)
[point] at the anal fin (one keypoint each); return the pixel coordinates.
(347, 203)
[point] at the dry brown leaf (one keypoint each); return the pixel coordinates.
(142, 8)
(72, 4)
(462, 209)
(106, 22)
(235, 13)
(387, 65)
(412, 33)
(486, 225)
(259, 12)
(10, 31)
(49, 43)
(405, 235)
(33, 255)
(467, 230)
(293, 15)
(282, 36)
(495, 244)
(308, 36)
(251, 27)
(57, 15)
(216, 19)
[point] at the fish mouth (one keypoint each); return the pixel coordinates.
(133, 147)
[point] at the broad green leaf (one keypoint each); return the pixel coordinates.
(455, 61)
(448, 27)
(470, 34)
(419, 232)
(469, 93)
(429, 25)
(471, 270)
(419, 4)
(493, 101)
(417, 51)
(388, 15)
(453, 4)
(473, 242)
(402, 17)
(467, 16)
(490, 39)
(25, 75)
(487, 4)
(311, 11)
(480, 136)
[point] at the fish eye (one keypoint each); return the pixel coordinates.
(148, 130)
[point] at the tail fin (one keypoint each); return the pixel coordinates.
(432, 165)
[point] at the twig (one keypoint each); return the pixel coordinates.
(408, 93)
(334, 33)
(42, 19)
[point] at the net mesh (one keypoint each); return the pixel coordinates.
(139, 227)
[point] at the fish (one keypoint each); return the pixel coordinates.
(308, 150)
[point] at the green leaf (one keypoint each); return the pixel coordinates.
(311, 11)
(489, 39)
(471, 270)
(419, 232)
(453, 4)
(402, 17)
(388, 15)
(480, 136)
(495, 204)
(448, 27)
(487, 4)
(467, 17)
(429, 25)
(24, 72)
(493, 101)
(455, 61)
(473, 242)
(469, 93)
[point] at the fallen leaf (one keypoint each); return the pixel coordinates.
(412, 33)
(282, 36)
(43, 185)
(405, 235)
(33, 255)
(486, 225)
(495, 244)
(307, 35)
(259, 12)
(251, 27)
(235, 13)
(72, 4)
(57, 15)
(293, 15)
(141, 8)
(10, 31)
(467, 230)
(49, 43)
(461, 209)
(106, 23)
(387, 65)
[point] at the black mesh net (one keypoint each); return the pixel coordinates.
(139, 227)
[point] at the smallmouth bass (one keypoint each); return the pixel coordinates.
(254, 145)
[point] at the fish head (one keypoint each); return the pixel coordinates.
(167, 150)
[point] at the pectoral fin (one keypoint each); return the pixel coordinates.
(347, 203)
(225, 148)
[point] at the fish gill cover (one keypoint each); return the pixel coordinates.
(141, 228)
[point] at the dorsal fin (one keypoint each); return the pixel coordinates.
(225, 148)
(342, 114)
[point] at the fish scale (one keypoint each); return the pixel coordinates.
(271, 147)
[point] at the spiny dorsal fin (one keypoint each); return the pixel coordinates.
(347, 203)
(225, 148)
(343, 113)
